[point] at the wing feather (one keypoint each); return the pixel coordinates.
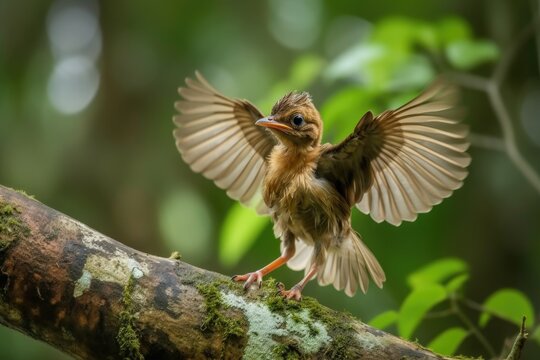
(404, 161)
(217, 136)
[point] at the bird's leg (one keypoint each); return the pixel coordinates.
(256, 276)
(296, 291)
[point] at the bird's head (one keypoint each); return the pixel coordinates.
(295, 121)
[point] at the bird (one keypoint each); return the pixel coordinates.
(392, 166)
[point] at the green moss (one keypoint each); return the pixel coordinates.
(215, 320)
(296, 318)
(11, 225)
(276, 303)
(339, 349)
(175, 255)
(341, 329)
(127, 337)
(288, 350)
(292, 309)
(25, 194)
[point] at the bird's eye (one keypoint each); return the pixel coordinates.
(298, 120)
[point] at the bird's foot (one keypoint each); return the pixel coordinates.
(250, 279)
(294, 293)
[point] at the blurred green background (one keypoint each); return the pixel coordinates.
(86, 101)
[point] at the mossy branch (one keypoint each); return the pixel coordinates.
(94, 298)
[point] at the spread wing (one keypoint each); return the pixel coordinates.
(404, 161)
(217, 136)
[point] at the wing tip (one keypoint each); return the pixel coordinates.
(176, 119)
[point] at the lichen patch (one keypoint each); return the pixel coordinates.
(117, 269)
(265, 326)
(90, 238)
(313, 334)
(369, 341)
(82, 284)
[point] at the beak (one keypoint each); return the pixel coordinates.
(269, 122)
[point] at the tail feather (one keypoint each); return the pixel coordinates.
(348, 267)
(375, 270)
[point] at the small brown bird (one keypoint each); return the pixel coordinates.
(393, 166)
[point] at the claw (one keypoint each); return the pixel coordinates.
(250, 279)
(295, 292)
(280, 288)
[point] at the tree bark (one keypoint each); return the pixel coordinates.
(95, 298)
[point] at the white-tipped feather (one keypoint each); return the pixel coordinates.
(217, 137)
(350, 267)
(422, 158)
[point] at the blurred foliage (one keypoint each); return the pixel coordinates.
(107, 157)
(416, 304)
(448, 341)
(239, 232)
(508, 304)
(438, 291)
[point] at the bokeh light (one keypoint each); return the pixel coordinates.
(73, 84)
(73, 28)
(295, 23)
(75, 41)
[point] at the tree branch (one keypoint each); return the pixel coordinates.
(94, 298)
(487, 142)
(492, 87)
(519, 343)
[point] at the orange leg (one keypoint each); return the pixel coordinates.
(256, 276)
(296, 291)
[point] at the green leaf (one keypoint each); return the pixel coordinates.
(384, 320)
(398, 33)
(353, 64)
(416, 305)
(509, 304)
(453, 29)
(304, 71)
(427, 36)
(240, 229)
(436, 272)
(447, 342)
(343, 110)
(414, 73)
(466, 54)
(456, 283)
(396, 37)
